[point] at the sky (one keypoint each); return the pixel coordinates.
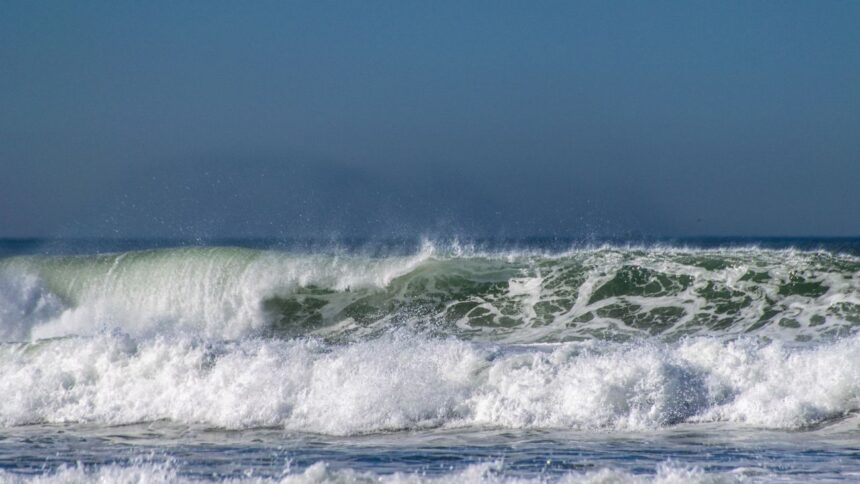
(206, 119)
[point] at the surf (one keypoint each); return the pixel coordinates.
(405, 381)
(516, 296)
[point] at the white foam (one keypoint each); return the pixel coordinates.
(24, 303)
(320, 472)
(404, 381)
(528, 289)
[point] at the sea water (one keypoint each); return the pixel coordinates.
(527, 361)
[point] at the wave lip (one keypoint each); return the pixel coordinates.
(215, 292)
(405, 381)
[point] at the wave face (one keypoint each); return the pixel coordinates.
(605, 293)
(604, 339)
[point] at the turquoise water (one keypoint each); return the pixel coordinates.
(596, 361)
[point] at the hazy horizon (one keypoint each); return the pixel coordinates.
(347, 119)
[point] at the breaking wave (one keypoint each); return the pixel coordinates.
(604, 293)
(404, 381)
(605, 339)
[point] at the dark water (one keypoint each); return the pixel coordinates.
(538, 360)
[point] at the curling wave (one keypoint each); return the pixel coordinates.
(602, 339)
(604, 293)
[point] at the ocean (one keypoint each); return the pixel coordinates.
(534, 360)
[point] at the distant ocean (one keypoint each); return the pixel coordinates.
(534, 360)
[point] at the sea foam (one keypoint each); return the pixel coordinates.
(409, 381)
(321, 472)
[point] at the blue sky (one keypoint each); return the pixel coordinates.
(293, 119)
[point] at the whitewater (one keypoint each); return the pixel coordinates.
(439, 362)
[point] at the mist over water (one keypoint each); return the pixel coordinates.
(319, 119)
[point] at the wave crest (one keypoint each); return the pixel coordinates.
(604, 293)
